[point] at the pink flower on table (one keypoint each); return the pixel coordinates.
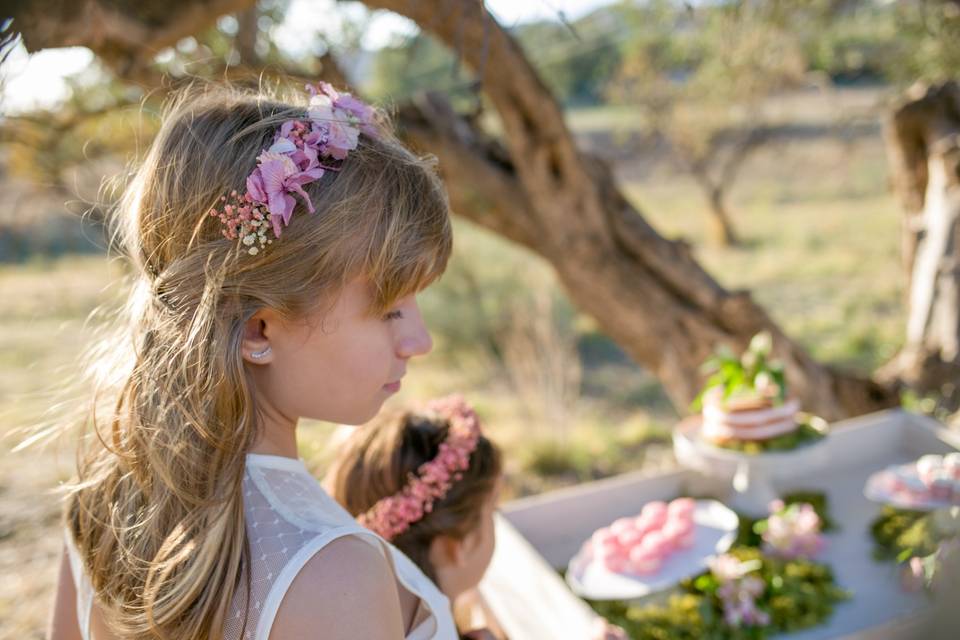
(793, 531)
(726, 567)
(913, 576)
(744, 611)
(752, 586)
(738, 591)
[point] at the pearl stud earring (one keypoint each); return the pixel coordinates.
(260, 354)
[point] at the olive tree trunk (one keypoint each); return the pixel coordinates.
(646, 292)
(923, 144)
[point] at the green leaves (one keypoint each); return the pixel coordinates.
(753, 372)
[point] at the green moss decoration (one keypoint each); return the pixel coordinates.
(799, 594)
(899, 534)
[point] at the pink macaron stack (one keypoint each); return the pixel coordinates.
(640, 545)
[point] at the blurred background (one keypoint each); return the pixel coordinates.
(740, 165)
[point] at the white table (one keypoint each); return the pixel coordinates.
(554, 525)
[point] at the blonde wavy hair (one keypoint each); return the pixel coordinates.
(157, 509)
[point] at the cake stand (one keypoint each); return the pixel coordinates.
(752, 476)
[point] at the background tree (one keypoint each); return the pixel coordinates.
(923, 138)
(699, 80)
(915, 46)
(533, 185)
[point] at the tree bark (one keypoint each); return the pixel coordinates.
(646, 292)
(923, 143)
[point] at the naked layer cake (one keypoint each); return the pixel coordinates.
(747, 418)
(746, 406)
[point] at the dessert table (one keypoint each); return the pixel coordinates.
(537, 536)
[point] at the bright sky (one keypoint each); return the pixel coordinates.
(31, 81)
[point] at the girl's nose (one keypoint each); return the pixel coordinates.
(415, 343)
(415, 340)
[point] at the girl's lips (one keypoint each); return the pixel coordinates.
(393, 387)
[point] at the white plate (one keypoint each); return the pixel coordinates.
(877, 490)
(715, 529)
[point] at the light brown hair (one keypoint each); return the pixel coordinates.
(378, 459)
(157, 510)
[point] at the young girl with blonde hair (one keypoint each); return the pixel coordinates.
(277, 246)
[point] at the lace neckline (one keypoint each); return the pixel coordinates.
(277, 462)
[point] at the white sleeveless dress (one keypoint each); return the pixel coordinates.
(289, 519)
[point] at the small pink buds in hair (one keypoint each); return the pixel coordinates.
(300, 154)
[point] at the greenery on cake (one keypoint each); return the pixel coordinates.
(753, 374)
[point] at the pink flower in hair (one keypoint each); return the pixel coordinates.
(273, 182)
(295, 159)
(358, 109)
(343, 137)
(344, 117)
(322, 88)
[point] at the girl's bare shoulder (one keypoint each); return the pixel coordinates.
(346, 590)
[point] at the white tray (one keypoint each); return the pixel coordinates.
(715, 530)
(556, 524)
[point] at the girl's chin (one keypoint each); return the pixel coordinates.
(355, 416)
(375, 407)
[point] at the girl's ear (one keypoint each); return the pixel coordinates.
(255, 345)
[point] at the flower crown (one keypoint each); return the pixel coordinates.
(302, 151)
(392, 515)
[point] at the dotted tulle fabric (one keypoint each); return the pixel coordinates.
(289, 518)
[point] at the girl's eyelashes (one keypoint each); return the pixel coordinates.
(394, 315)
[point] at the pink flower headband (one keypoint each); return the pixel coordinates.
(301, 153)
(391, 516)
